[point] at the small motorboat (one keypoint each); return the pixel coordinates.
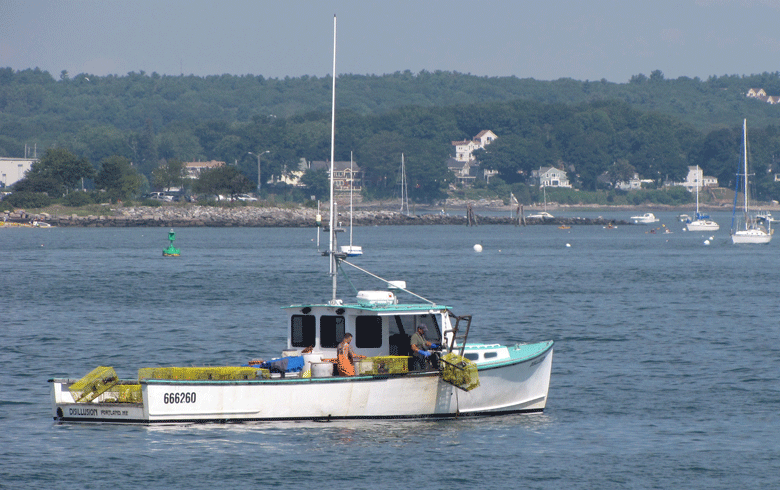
(644, 219)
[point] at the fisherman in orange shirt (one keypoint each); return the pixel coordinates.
(345, 360)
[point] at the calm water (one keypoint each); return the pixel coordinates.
(666, 371)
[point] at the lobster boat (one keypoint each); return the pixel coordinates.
(456, 378)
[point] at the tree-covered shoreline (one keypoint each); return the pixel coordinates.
(594, 130)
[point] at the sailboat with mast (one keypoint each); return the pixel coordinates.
(746, 228)
(542, 214)
(404, 189)
(351, 250)
(702, 222)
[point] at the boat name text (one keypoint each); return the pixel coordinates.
(93, 412)
(82, 411)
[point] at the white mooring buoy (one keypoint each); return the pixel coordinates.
(477, 247)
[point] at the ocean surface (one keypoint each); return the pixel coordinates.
(666, 372)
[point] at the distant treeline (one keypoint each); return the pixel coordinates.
(596, 131)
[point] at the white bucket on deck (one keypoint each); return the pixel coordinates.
(321, 369)
(308, 359)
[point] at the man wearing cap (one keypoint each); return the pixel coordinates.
(420, 346)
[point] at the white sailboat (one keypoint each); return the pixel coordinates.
(702, 222)
(542, 214)
(404, 189)
(747, 229)
(351, 250)
(467, 379)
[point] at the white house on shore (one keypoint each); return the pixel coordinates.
(696, 177)
(550, 177)
(464, 165)
(633, 183)
(12, 170)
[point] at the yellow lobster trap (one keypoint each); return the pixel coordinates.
(382, 365)
(459, 371)
(94, 384)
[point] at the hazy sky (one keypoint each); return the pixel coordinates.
(545, 40)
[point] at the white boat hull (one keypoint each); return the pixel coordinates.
(352, 250)
(645, 219)
(511, 386)
(703, 225)
(751, 236)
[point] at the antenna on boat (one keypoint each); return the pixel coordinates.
(393, 284)
(351, 186)
(332, 223)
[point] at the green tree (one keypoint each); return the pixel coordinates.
(621, 171)
(144, 149)
(26, 199)
(169, 174)
(57, 172)
(118, 178)
(515, 157)
(223, 180)
(99, 142)
(317, 183)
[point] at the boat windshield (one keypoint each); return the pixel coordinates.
(407, 325)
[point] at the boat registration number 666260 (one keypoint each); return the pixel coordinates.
(179, 398)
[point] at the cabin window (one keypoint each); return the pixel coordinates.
(471, 357)
(331, 331)
(491, 355)
(368, 332)
(303, 330)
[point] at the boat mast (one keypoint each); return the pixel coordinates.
(404, 189)
(697, 191)
(744, 139)
(332, 221)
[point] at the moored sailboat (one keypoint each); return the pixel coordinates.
(702, 222)
(351, 250)
(746, 228)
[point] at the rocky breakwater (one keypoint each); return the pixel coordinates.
(193, 215)
(254, 216)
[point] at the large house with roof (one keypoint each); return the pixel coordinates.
(760, 94)
(464, 165)
(696, 177)
(550, 177)
(346, 175)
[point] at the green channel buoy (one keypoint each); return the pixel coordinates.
(170, 251)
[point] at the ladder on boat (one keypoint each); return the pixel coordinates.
(459, 334)
(455, 369)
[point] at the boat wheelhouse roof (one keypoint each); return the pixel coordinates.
(378, 308)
